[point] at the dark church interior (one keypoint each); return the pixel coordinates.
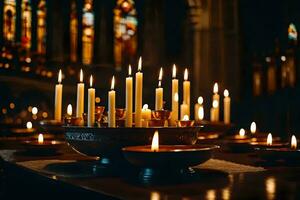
(148, 99)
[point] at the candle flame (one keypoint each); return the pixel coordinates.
(91, 81)
(176, 97)
(294, 142)
(242, 132)
(59, 76)
(174, 71)
(155, 142)
(216, 88)
(81, 76)
(201, 113)
(226, 93)
(186, 74)
(200, 100)
(112, 83)
(140, 64)
(159, 84)
(185, 118)
(40, 138)
(215, 103)
(160, 74)
(29, 125)
(129, 70)
(69, 110)
(253, 127)
(145, 106)
(269, 139)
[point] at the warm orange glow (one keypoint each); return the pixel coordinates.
(242, 132)
(200, 100)
(201, 113)
(215, 103)
(253, 127)
(216, 88)
(269, 139)
(294, 142)
(81, 76)
(174, 71)
(185, 118)
(91, 81)
(226, 93)
(29, 125)
(59, 76)
(186, 74)
(176, 97)
(155, 142)
(145, 106)
(40, 138)
(140, 64)
(129, 70)
(69, 110)
(112, 87)
(160, 74)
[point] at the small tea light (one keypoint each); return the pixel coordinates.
(41, 138)
(269, 143)
(185, 122)
(294, 143)
(155, 142)
(269, 140)
(241, 135)
(29, 125)
(253, 128)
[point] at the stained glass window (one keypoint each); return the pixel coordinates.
(73, 32)
(9, 20)
(41, 27)
(88, 32)
(125, 30)
(26, 24)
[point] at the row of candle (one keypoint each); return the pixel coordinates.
(139, 116)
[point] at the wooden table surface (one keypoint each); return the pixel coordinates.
(277, 182)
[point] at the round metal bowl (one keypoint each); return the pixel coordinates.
(107, 143)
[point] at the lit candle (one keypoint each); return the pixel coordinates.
(146, 115)
(91, 104)
(253, 128)
(226, 107)
(112, 105)
(40, 138)
(155, 142)
(294, 142)
(128, 119)
(138, 95)
(186, 88)
(213, 111)
(242, 133)
(29, 125)
(80, 96)
(175, 97)
(199, 114)
(184, 110)
(269, 140)
(69, 110)
(58, 98)
(216, 97)
(159, 93)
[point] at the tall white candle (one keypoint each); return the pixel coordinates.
(226, 107)
(184, 110)
(128, 119)
(138, 95)
(175, 97)
(216, 97)
(186, 88)
(213, 111)
(112, 105)
(80, 96)
(159, 93)
(91, 104)
(58, 98)
(198, 106)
